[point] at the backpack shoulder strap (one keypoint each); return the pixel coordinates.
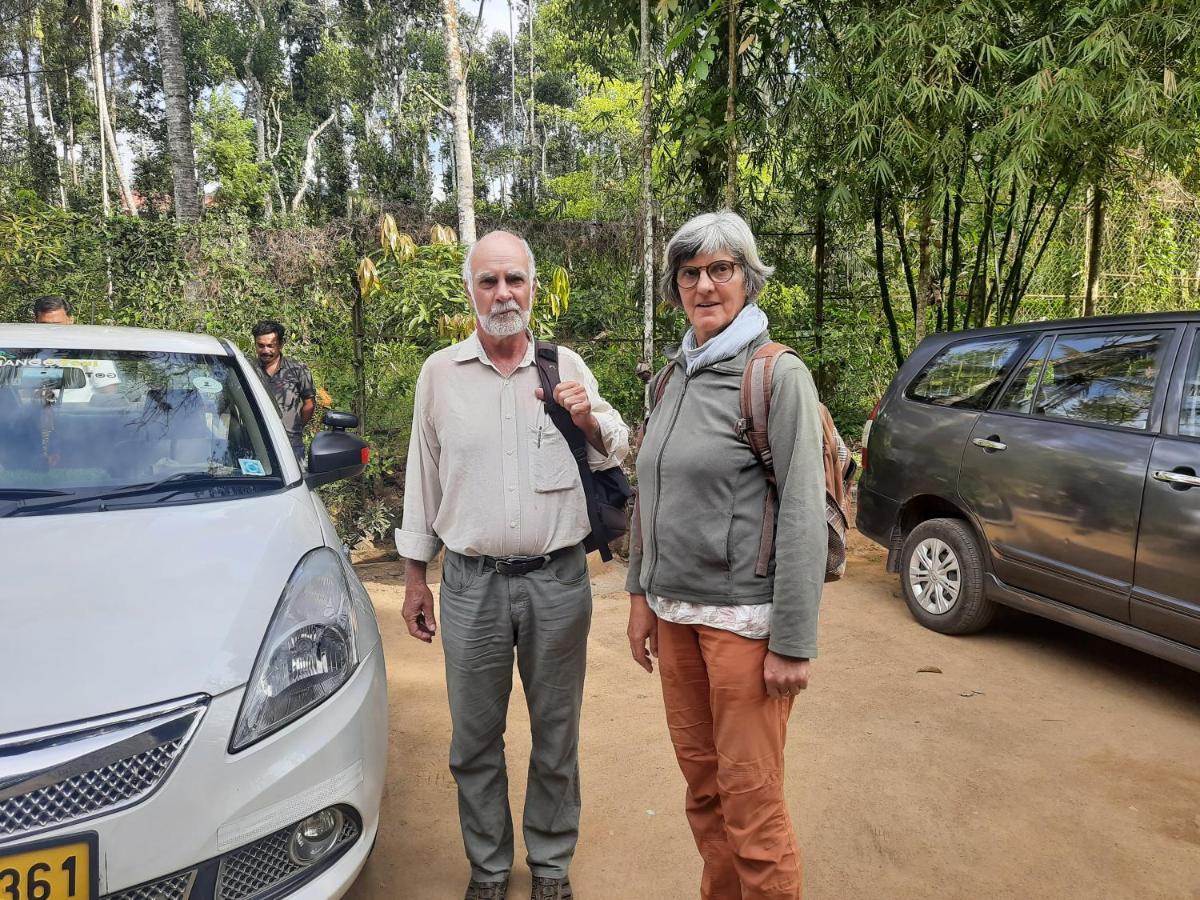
(756, 401)
(660, 382)
(752, 426)
(545, 358)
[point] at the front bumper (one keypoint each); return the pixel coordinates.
(215, 810)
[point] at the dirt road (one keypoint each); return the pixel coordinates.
(1041, 762)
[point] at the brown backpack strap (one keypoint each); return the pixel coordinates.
(660, 387)
(756, 415)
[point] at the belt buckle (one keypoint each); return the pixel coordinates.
(519, 565)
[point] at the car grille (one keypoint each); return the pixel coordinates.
(61, 776)
(176, 887)
(83, 795)
(265, 864)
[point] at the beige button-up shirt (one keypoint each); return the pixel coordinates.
(489, 474)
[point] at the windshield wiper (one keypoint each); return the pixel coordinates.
(27, 493)
(178, 483)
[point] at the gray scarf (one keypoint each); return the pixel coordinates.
(746, 326)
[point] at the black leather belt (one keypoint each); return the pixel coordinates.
(523, 565)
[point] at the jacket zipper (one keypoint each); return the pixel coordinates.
(658, 476)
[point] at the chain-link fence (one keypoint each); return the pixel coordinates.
(1149, 258)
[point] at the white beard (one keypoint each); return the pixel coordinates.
(505, 319)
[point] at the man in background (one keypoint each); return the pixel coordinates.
(52, 310)
(288, 381)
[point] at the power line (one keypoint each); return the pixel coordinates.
(20, 14)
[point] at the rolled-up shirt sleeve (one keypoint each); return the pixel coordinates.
(614, 433)
(415, 538)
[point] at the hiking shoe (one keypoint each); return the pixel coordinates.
(551, 889)
(487, 890)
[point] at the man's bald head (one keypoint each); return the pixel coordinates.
(499, 278)
(506, 242)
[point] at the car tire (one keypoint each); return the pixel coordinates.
(941, 571)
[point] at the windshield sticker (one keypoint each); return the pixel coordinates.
(207, 385)
(251, 467)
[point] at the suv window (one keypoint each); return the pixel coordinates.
(968, 374)
(1019, 394)
(1103, 378)
(1189, 414)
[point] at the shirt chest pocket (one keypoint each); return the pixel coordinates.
(551, 465)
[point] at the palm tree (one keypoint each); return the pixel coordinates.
(179, 110)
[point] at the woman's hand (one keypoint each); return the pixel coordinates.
(784, 675)
(643, 627)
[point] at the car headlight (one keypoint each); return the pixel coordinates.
(322, 628)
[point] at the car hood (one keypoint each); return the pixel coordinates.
(106, 611)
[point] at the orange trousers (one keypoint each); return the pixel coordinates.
(729, 738)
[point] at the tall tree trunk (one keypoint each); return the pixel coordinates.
(939, 284)
(905, 258)
(178, 111)
(1095, 241)
(62, 188)
(108, 137)
(513, 134)
(731, 148)
(531, 141)
(956, 224)
(647, 211)
(465, 176)
(924, 264)
(70, 150)
(881, 272)
(993, 292)
(256, 105)
(32, 135)
(308, 173)
(981, 249)
(819, 286)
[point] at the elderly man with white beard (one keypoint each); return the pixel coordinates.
(491, 478)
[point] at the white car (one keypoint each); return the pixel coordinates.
(193, 704)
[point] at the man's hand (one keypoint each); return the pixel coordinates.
(573, 397)
(643, 627)
(418, 603)
(785, 675)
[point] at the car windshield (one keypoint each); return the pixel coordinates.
(98, 423)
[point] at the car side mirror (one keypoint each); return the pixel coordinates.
(334, 455)
(339, 421)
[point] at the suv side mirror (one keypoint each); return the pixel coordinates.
(335, 455)
(339, 421)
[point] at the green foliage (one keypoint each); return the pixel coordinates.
(225, 154)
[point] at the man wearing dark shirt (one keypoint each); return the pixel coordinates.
(288, 381)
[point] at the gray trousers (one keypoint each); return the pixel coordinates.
(542, 619)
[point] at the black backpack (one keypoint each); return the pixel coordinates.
(608, 490)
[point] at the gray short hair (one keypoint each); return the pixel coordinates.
(710, 233)
(466, 267)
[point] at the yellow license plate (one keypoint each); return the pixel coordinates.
(63, 869)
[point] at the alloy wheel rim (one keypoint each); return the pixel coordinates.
(935, 576)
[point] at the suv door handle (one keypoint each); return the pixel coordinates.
(1180, 480)
(990, 444)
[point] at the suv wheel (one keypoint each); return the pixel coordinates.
(942, 573)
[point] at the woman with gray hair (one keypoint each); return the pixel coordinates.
(733, 637)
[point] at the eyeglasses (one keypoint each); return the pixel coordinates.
(719, 272)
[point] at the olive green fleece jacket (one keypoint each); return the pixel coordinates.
(701, 493)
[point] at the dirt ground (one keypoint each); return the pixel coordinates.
(1040, 762)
